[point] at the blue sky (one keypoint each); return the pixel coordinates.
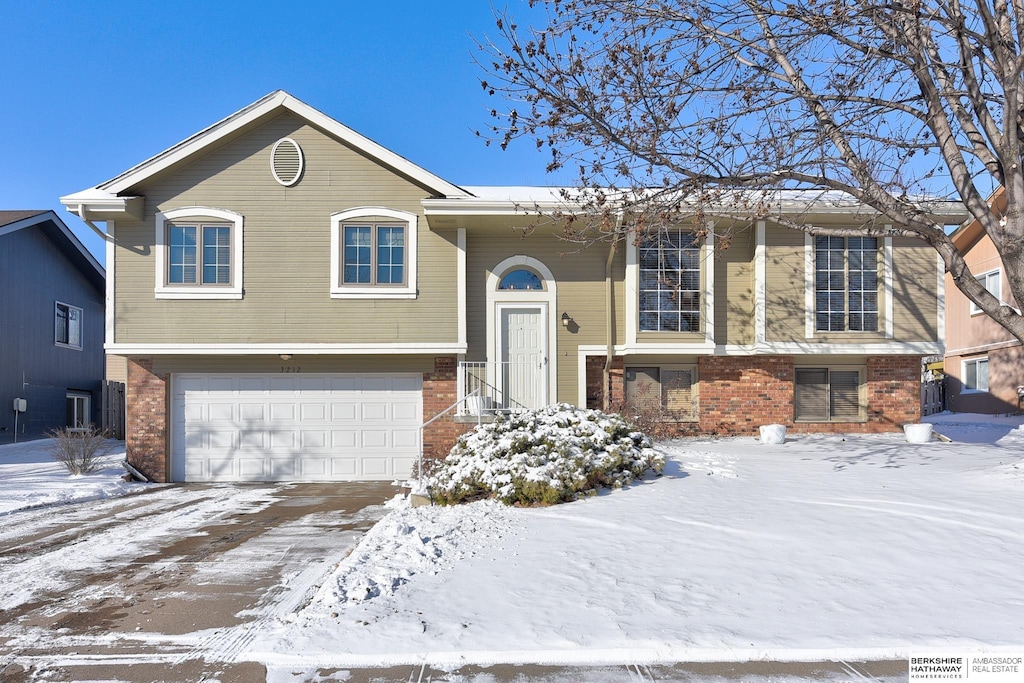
(91, 89)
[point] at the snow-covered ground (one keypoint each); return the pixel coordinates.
(821, 548)
(30, 477)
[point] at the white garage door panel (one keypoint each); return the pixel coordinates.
(295, 427)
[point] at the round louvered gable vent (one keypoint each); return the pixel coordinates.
(286, 161)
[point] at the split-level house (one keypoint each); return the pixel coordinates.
(295, 301)
(984, 364)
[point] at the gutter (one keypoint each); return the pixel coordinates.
(103, 235)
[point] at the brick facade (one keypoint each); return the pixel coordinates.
(595, 381)
(738, 394)
(146, 419)
(440, 391)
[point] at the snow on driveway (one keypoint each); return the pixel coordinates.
(824, 547)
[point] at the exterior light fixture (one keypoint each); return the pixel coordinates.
(286, 356)
(566, 319)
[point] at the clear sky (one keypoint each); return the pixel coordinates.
(93, 88)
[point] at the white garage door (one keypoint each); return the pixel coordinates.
(302, 427)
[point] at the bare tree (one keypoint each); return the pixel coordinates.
(668, 108)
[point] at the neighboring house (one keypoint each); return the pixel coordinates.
(984, 364)
(295, 301)
(51, 326)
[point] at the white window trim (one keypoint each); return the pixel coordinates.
(165, 291)
(963, 374)
(81, 327)
(885, 310)
(87, 403)
(408, 291)
(975, 309)
(632, 286)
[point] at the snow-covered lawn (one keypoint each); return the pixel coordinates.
(824, 547)
(30, 477)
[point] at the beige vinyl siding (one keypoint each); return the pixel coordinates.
(914, 290)
(580, 290)
(734, 286)
(287, 258)
(299, 364)
(915, 284)
(116, 369)
(785, 300)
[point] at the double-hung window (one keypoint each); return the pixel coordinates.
(67, 326)
(846, 284)
(670, 283)
(373, 253)
(828, 395)
(975, 374)
(993, 283)
(199, 254)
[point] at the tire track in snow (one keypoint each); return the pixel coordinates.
(57, 567)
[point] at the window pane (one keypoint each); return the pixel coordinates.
(357, 255)
(182, 254)
(522, 279)
(390, 255)
(60, 332)
(810, 397)
(217, 255)
(74, 327)
(971, 375)
(844, 394)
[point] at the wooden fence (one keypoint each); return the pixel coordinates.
(933, 397)
(113, 409)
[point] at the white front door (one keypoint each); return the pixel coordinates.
(524, 360)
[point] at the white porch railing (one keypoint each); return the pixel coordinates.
(501, 387)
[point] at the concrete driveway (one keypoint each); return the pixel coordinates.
(168, 585)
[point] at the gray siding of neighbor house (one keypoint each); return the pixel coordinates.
(34, 275)
(287, 249)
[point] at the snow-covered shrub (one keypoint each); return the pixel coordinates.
(546, 456)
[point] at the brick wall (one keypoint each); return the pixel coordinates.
(893, 391)
(146, 419)
(440, 390)
(738, 394)
(595, 381)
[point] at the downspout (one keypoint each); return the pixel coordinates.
(609, 305)
(103, 235)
